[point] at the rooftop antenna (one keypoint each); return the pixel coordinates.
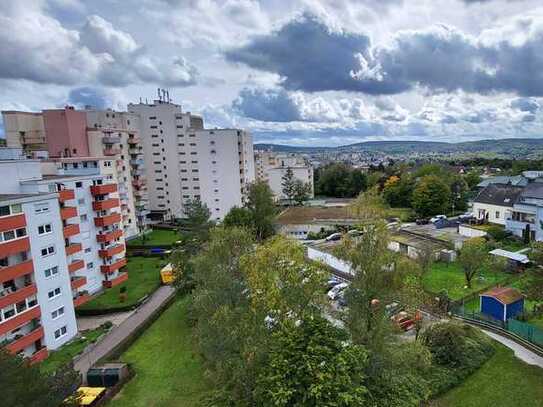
(164, 95)
(158, 91)
(168, 96)
(140, 100)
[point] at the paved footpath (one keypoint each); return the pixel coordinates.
(520, 352)
(125, 329)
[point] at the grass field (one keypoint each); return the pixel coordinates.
(66, 353)
(168, 373)
(503, 381)
(143, 279)
(157, 237)
(450, 277)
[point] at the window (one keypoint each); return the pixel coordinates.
(90, 265)
(59, 333)
(57, 313)
(47, 251)
(193, 144)
(497, 214)
(12, 234)
(81, 201)
(83, 218)
(45, 229)
(10, 210)
(54, 293)
(53, 271)
(88, 249)
(78, 184)
(41, 208)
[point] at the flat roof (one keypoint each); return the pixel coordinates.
(521, 258)
(505, 295)
(17, 198)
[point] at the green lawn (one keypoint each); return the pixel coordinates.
(404, 214)
(66, 353)
(143, 279)
(449, 276)
(503, 381)
(168, 372)
(157, 237)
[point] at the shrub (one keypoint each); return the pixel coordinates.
(497, 233)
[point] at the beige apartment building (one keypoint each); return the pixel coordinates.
(24, 130)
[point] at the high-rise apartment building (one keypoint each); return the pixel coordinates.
(24, 130)
(272, 167)
(183, 161)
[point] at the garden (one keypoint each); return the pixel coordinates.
(143, 280)
(157, 237)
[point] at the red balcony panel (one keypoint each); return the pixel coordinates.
(19, 320)
(39, 355)
(12, 222)
(116, 281)
(133, 140)
(103, 189)
(76, 265)
(66, 195)
(18, 295)
(14, 246)
(111, 268)
(68, 212)
(107, 220)
(81, 299)
(139, 182)
(18, 270)
(70, 230)
(109, 236)
(73, 248)
(26, 340)
(111, 251)
(105, 204)
(111, 151)
(78, 282)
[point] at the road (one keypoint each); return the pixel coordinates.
(118, 334)
(520, 352)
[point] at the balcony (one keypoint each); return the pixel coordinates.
(133, 140)
(111, 139)
(75, 265)
(136, 162)
(66, 195)
(111, 251)
(115, 281)
(73, 248)
(18, 295)
(139, 182)
(109, 236)
(108, 152)
(16, 271)
(70, 230)
(68, 212)
(105, 204)
(81, 299)
(12, 222)
(103, 189)
(23, 341)
(107, 220)
(21, 319)
(15, 246)
(111, 268)
(39, 355)
(78, 282)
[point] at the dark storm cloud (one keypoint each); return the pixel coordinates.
(273, 105)
(525, 105)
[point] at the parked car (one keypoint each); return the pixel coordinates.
(333, 236)
(354, 233)
(422, 221)
(335, 291)
(438, 218)
(466, 217)
(332, 282)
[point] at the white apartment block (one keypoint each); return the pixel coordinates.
(116, 135)
(185, 161)
(272, 167)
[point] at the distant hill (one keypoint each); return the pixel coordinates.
(501, 146)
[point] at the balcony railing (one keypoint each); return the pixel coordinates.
(133, 140)
(107, 220)
(21, 319)
(75, 265)
(73, 248)
(111, 151)
(109, 236)
(8, 297)
(14, 246)
(20, 342)
(111, 268)
(81, 299)
(105, 204)
(68, 212)
(103, 189)
(78, 282)
(15, 271)
(70, 230)
(66, 195)
(111, 139)
(39, 355)
(115, 281)
(12, 222)
(111, 251)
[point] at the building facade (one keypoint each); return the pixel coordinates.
(526, 219)
(186, 161)
(25, 131)
(272, 167)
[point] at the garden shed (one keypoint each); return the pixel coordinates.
(502, 303)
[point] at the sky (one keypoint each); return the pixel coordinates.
(298, 72)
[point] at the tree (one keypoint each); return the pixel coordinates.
(459, 194)
(369, 206)
(472, 179)
(261, 205)
(239, 217)
(302, 191)
(196, 225)
(288, 184)
(535, 290)
(312, 364)
(431, 196)
(24, 385)
(397, 192)
(472, 257)
(339, 180)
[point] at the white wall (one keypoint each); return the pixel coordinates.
(329, 260)
(492, 210)
(465, 230)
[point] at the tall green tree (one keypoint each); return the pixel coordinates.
(240, 217)
(431, 196)
(311, 364)
(398, 193)
(472, 179)
(262, 207)
(23, 385)
(340, 181)
(302, 191)
(473, 257)
(288, 185)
